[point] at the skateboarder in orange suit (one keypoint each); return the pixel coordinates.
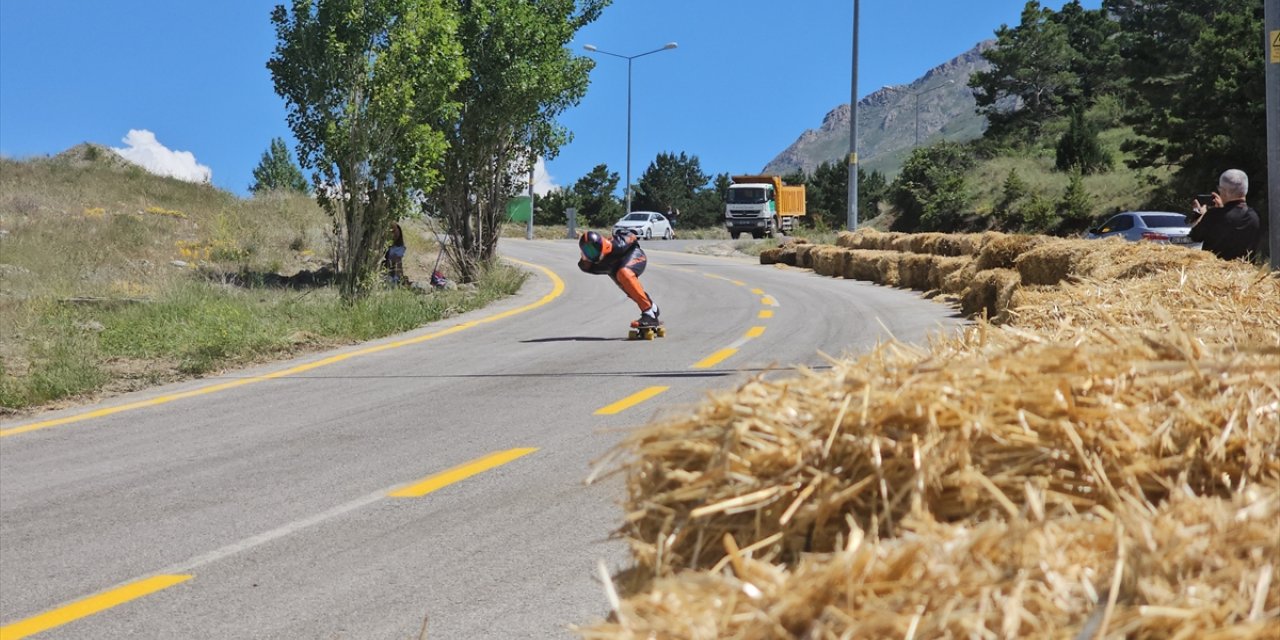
(623, 260)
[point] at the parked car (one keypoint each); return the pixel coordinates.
(646, 224)
(1152, 226)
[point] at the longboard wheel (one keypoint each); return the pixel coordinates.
(633, 334)
(662, 332)
(648, 335)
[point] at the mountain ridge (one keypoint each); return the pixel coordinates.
(887, 120)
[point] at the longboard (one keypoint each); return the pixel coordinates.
(646, 333)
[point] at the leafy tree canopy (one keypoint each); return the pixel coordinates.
(931, 192)
(362, 81)
(520, 77)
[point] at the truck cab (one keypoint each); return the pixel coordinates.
(761, 206)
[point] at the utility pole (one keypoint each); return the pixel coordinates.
(1272, 53)
(528, 229)
(853, 128)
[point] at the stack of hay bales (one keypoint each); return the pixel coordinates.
(979, 271)
(1106, 463)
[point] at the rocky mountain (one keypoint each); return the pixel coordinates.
(938, 105)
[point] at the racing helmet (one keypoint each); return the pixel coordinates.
(592, 245)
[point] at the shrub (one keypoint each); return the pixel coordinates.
(1079, 148)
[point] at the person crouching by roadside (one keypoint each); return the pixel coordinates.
(1227, 226)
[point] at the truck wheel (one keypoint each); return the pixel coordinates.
(735, 234)
(777, 224)
(757, 234)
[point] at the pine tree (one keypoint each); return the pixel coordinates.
(597, 206)
(1030, 77)
(1074, 207)
(1079, 148)
(1014, 191)
(276, 170)
(1197, 89)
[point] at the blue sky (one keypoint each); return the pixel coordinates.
(748, 78)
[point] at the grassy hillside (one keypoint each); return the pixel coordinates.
(1120, 189)
(112, 279)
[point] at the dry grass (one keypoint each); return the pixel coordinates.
(1106, 462)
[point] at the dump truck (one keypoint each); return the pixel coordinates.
(762, 206)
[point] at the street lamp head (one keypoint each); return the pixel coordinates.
(670, 45)
(589, 47)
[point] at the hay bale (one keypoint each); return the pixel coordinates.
(828, 260)
(1125, 260)
(990, 294)
(771, 256)
(958, 434)
(959, 279)
(1194, 567)
(926, 243)
(1000, 251)
(1111, 259)
(1225, 303)
(805, 255)
(1051, 263)
(852, 239)
(944, 267)
(787, 255)
(887, 268)
(868, 239)
(1130, 423)
(861, 264)
(916, 271)
(967, 244)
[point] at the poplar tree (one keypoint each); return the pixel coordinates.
(367, 84)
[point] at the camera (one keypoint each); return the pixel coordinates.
(1205, 199)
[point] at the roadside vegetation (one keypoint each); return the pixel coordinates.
(1135, 105)
(114, 279)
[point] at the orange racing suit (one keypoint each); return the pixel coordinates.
(624, 261)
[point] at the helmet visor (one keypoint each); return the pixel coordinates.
(591, 251)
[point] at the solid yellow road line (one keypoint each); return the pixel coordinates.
(556, 290)
(715, 358)
(88, 606)
(459, 473)
(630, 401)
(766, 313)
(755, 332)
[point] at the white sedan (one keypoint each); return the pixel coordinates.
(646, 224)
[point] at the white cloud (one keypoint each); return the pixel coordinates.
(543, 183)
(144, 150)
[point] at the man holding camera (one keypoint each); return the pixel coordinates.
(1230, 227)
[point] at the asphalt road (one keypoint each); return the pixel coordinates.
(259, 504)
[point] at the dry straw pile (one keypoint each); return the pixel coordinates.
(1107, 464)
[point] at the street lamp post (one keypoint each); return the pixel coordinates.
(851, 219)
(592, 48)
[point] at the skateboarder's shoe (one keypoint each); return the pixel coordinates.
(646, 320)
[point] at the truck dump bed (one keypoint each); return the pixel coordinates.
(791, 201)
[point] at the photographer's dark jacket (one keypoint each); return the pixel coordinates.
(1229, 231)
